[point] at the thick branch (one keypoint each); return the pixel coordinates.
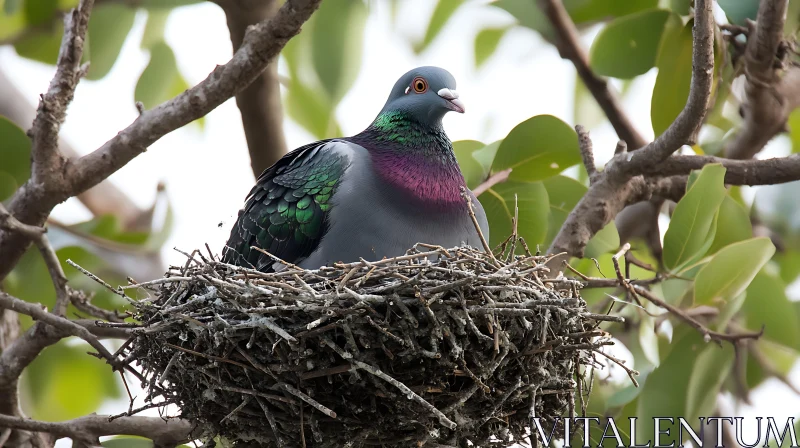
(260, 46)
(620, 184)
(773, 171)
(260, 102)
(47, 160)
(691, 117)
(769, 96)
(89, 429)
(766, 111)
(569, 46)
(33, 202)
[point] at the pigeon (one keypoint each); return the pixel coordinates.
(370, 196)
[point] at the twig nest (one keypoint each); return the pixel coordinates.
(438, 347)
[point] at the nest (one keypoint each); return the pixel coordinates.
(434, 348)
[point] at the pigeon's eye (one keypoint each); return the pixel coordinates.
(420, 85)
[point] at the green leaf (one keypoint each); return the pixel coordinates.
(11, 7)
(11, 24)
(538, 148)
(528, 15)
(583, 12)
(733, 225)
(731, 270)
(441, 14)
(15, 158)
(110, 25)
(127, 442)
(674, 64)
(156, 83)
(81, 385)
(794, 130)
(486, 155)
(312, 110)
(739, 10)
(337, 37)
(665, 392)
(768, 306)
(473, 172)
(691, 228)
(706, 380)
(154, 29)
(498, 202)
(627, 46)
(563, 193)
(486, 42)
(39, 12)
(606, 240)
(588, 11)
(789, 262)
(680, 7)
(41, 46)
(624, 396)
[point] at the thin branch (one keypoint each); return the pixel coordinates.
(53, 105)
(496, 178)
(89, 429)
(12, 225)
(587, 152)
(37, 234)
(569, 46)
(37, 312)
(709, 335)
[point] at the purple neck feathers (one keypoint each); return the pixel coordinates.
(415, 159)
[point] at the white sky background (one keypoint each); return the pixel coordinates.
(207, 173)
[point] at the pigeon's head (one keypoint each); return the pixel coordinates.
(426, 93)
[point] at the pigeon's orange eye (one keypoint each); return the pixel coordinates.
(420, 85)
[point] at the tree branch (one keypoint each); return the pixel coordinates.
(10, 224)
(770, 96)
(262, 42)
(772, 171)
(620, 184)
(569, 47)
(88, 430)
(587, 152)
(47, 161)
(260, 102)
(496, 178)
(691, 117)
(104, 198)
(37, 312)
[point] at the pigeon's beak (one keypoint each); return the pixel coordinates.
(453, 103)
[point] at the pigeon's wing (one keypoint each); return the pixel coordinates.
(286, 212)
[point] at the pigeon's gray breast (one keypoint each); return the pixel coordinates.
(369, 220)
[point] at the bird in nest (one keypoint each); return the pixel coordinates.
(369, 196)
